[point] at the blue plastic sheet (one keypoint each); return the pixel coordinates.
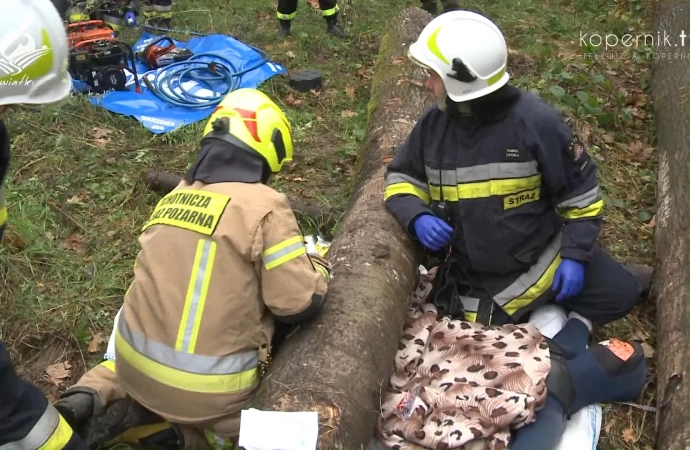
(161, 117)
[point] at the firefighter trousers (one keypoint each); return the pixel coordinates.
(101, 381)
(287, 9)
(27, 420)
(609, 293)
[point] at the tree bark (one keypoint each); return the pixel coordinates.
(164, 182)
(337, 363)
(671, 95)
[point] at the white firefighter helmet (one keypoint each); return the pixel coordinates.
(466, 50)
(33, 53)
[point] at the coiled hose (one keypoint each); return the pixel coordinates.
(167, 82)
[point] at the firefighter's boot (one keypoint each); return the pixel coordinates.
(334, 27)
(284, 28)
(76, 408)
(122, 422)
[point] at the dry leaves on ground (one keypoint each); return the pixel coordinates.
(58, 372)
(75, 242)
(96, 340)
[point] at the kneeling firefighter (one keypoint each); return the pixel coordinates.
(221, 257)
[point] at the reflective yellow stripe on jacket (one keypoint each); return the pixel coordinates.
(51, 432)
(482, 181)
(584, 206)
(180, 367)
(401, 184)
(283, 252)
(3, 207)
(527, 288)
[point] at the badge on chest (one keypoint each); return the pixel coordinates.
(514, 155)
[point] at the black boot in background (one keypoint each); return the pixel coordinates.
(333, 27)
(284, 28)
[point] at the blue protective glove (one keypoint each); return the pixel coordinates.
(432, 232)
(569, 279)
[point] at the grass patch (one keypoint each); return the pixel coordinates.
(77, 201)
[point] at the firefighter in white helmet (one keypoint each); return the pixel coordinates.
(494, 182)
(221, 258)
(33, 70)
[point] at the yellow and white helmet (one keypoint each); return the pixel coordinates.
(254, 119)
(466, 50)
(33, 53)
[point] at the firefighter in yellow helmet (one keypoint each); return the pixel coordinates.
(221, 257)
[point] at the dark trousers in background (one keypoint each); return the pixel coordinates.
(288, 8)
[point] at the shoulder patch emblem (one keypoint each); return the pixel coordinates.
(577, 148)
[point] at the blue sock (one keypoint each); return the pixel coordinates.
(572, 339)
(543, 434)
(600, 376)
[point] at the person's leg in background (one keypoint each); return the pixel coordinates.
(330, 12)
(606, 372)
(27, 419)
(158, 13)
(609, 293)
(287, 10)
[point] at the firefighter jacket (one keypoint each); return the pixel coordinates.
(519, 190)
(221, 256)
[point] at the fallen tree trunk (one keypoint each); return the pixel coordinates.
(164, 182)
(671, 91)
(338, 363)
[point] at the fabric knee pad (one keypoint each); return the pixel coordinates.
(610, 371)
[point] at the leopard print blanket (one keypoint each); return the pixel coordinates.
(473, 384)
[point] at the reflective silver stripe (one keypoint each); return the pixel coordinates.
(583, 200)
(529, 278)
(282, 252)
(39, 434)
(187, 362)
(470, 304)
(202, 271)
(483, 172)
(395, 177)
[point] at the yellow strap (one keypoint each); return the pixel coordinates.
(287, 16)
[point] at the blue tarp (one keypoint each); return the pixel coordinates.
(161, 117)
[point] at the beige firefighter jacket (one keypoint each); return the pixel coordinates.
(217, 263)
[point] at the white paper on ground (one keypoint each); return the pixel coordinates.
(278, 430)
